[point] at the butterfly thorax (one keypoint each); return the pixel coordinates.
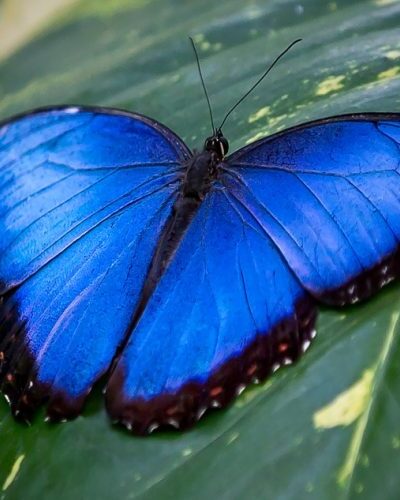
(202, 168)
(200, 172)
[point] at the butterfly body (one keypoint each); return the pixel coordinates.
(199, 172)
(182, 276)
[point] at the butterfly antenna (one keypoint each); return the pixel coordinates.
(203, 84)
(258, 81)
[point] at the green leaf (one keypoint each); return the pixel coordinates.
(328, 427)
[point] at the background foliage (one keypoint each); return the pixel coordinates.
(328, 427)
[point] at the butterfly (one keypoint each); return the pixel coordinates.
(182, 277)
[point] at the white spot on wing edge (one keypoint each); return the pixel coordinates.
(72, 110)
(13, 472)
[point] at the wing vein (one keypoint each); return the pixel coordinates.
(375, 208)
(332, 217)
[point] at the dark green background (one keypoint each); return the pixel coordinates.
(273, 442)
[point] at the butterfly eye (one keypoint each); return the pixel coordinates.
(208, 145)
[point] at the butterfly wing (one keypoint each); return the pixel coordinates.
(227, 310)
(84, 194)
(328, 195)
(313, 211)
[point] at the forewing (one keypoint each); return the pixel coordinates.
(228, 310)
(328, 195)
(84, 194)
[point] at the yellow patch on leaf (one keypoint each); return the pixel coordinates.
(383, 3)
(261, 113)
(389, 73)
(330, 84)
(392, 54)
(347, 406)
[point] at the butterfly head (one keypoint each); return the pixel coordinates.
(218, 144)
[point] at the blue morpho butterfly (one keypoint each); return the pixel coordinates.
(183, 277)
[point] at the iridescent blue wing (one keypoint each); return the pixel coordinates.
(84, 194)
(313, 211)
(227, 311)
(328, 195)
